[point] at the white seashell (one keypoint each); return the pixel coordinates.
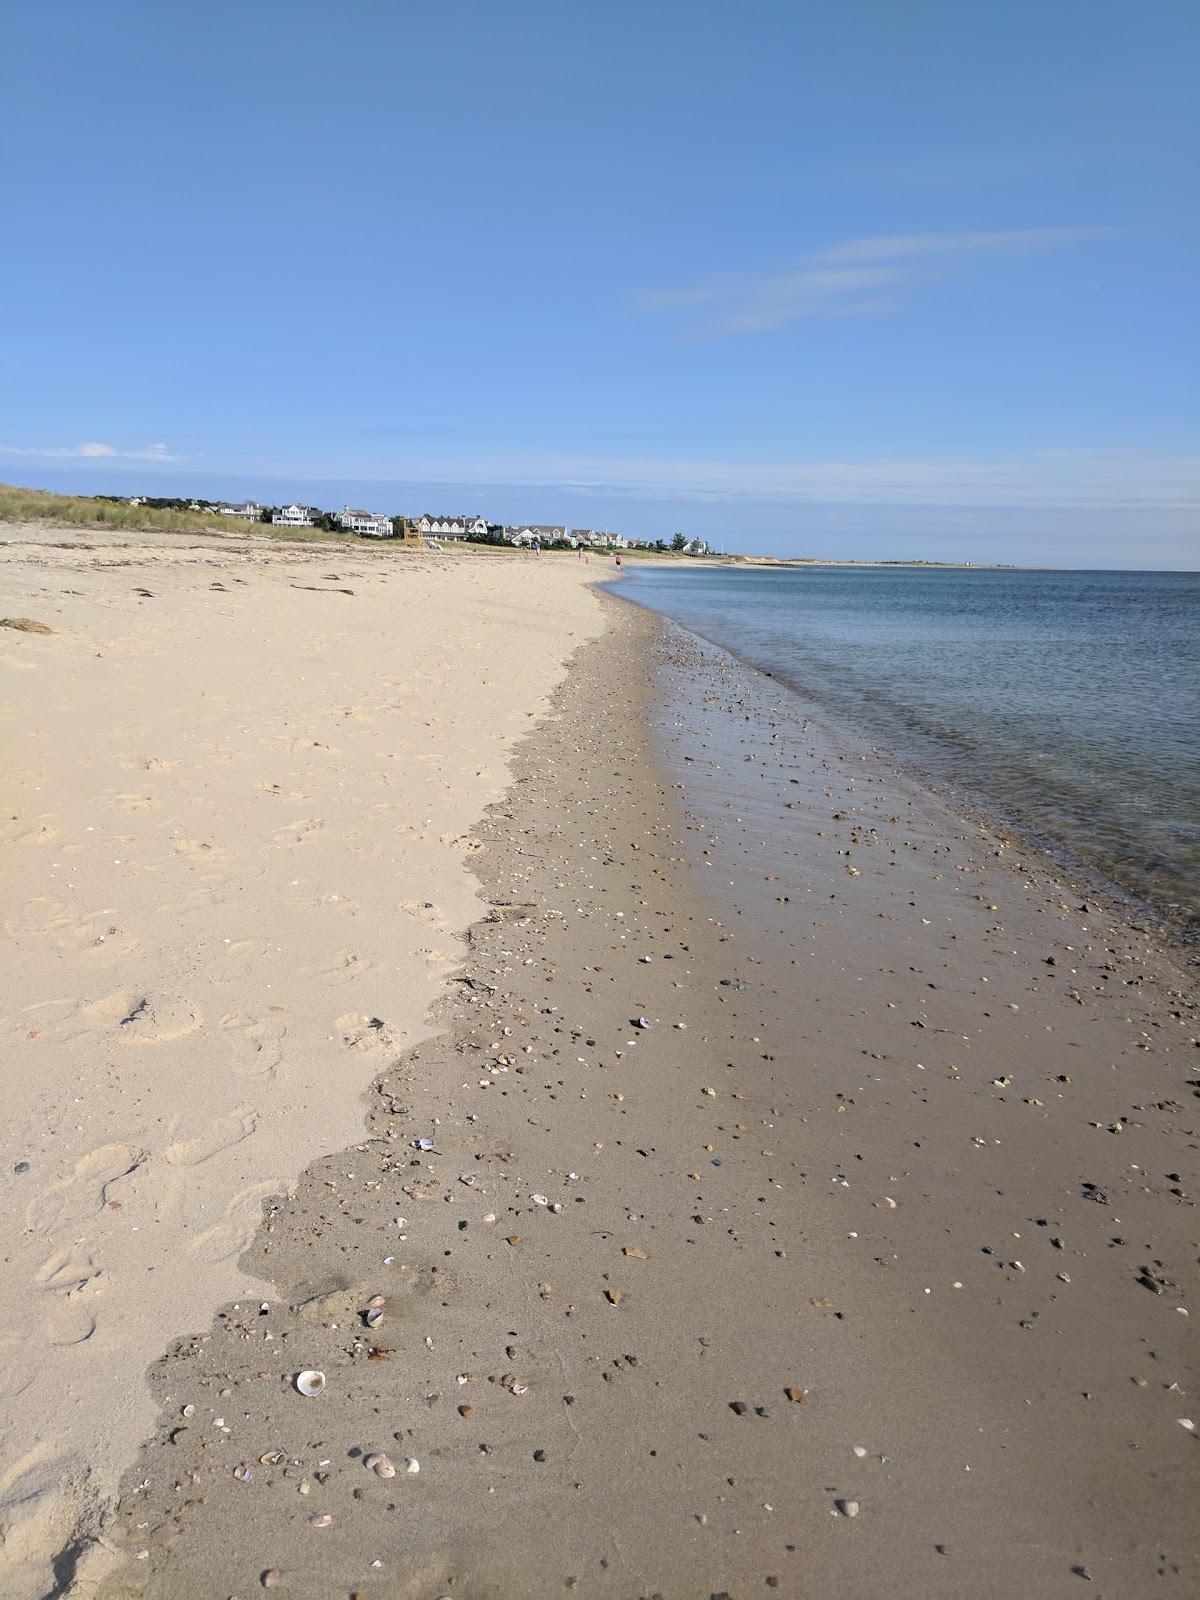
(380, 1465)
(243, 1473)
(848, 1508)
(374, 1316)
(310, 1384)
(412, 1465)
(540, 1199)
(324, 1520)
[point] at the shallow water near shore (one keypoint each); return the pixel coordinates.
(1063, 702)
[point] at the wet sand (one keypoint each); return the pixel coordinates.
(807, 1207)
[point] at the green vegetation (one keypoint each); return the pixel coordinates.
(101, 511)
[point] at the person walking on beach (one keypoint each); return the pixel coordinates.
(617, 559)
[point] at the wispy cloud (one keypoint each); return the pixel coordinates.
(1082, 479)
(93, 450)
(854, 278)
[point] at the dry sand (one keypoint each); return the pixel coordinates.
(863, 1267)
(237, 777)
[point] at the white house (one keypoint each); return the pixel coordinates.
(696, 547)
(543, 532)
(597, 540)
(452, 527)
(294, 517)
(248, 511)
(371, 524)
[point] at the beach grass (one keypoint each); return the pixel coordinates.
(19, 504)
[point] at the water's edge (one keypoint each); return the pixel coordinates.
(1178, 933)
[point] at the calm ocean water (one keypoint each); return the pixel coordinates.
(1067, 703)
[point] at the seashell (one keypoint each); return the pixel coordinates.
(272, 1458)
(243, 1473)
(847, 1508)
(324, 1520)
(271, 1578)
(540, 1199)
(310, 1384)
(412, 1466)
(188, 1411)
(377, 1300)
(380, 1465)
(373, 1316)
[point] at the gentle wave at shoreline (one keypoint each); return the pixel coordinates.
(1063, 702)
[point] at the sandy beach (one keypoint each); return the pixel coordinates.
(237, 783)
(697, 1161)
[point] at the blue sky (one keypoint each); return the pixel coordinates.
(868, 278)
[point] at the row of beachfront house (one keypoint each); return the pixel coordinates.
(375, 525)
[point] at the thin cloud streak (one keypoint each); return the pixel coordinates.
(845, 279)
(1085, 479)
(93, 450)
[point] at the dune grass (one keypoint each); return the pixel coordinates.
(82, 511)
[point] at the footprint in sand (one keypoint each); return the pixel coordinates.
(69, 1322)
(141, 1018)
(257, 1047)
(18, 1367)
(346, 966)
(85, 1192)
(423, 911)
(278, 792)
(39, 833)
(242, 1217)
(38, 917)
(98, 936)
(149, 764)
(296, 832)
(303, 747)
(137, 802)
(39, 1511)
(195, 847)
(442, 958)
(219, 1135)
(364, 1033)
(66, 1271)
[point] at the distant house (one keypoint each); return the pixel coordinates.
(295, 517)
(371, 524)
(248, 511)
(597, 539)
(452, 527)
(696, 547)
(542, 532)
